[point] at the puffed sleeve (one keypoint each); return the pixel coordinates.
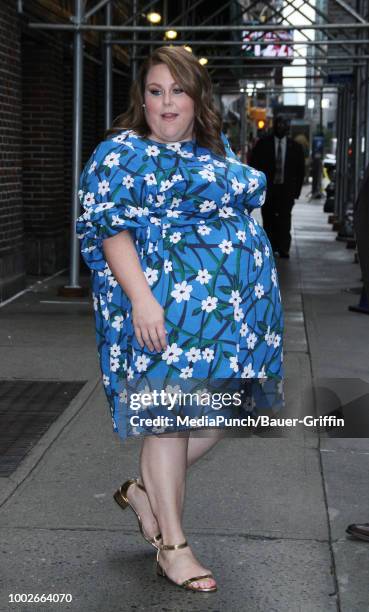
(254, 181)
(112, 194)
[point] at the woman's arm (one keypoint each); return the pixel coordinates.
(147, 314)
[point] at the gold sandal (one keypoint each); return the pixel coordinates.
(187, 583)
(121, 498)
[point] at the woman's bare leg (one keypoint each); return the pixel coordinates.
(197, 446)
(163, 469)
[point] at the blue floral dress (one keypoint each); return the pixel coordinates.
(208, 263)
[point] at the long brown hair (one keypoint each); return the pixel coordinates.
(194, 79)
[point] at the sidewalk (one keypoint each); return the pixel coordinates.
(268, 515)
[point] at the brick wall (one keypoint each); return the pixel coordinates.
(36, 119)
(12, 277)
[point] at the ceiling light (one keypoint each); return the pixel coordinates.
(171, 34)
(203, 61)
(153, 17)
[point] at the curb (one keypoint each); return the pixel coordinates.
(36, 454)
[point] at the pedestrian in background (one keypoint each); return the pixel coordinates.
(282, 160)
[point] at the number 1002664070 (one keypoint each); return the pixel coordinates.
(40, 598)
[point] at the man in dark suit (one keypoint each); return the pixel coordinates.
(282, 160)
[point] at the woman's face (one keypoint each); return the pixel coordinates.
(169, 110)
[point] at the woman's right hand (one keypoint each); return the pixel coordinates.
(149, 323)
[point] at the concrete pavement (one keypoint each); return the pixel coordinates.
(268, 515)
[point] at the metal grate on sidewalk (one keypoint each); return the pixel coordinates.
(27, 409)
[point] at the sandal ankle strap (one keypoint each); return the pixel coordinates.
(173, 546)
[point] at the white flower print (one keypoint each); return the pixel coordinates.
(266, 251)
(181, 291)
(226, 247)
(251, 340)
(208, 175)
(168, 266)
(120, 138)
(114, 364)
(186, 372)
(233, 363)
(208, 354)
(241, 235)
(112, 281)
(106, 380)
(269, 337)
(253, 184)
(262, 373)
(203, 158)
(235, 298)
(203, 230)
(89, 199)
(92, 167)
(174, 146)
(262, 198)
(160, 199)
(258, 258)
(252, 228)
(177, 177)
(151, 275)
(150, 198)
(150, 179)
(244, 330)
(103, 187)
(273, 277)
(209, 304)
(128, 181)
(123, 396)
(104, 206)
(277, 341)
(225, 198)
(130, 373)
(219, 164)
(259, 291)
(225, 212)
(207, 206)
(172, 353)
(238, 314)
(176, 237)
(164, 185)
(112, 159)
(116, 220)
(193, 355)
(174, 214)
(187, 154)
(141, 363)
(117, 322)
(175, 202)
(248, 372)
(155, 221)
(105, 313)
(237, 186)
(109, 296)
(152, 151)
(254, 171)
(115, 350)
(95, 301)
(203, 276)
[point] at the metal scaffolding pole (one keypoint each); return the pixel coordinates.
(108, 70)
(134, 48)
(213, 28)
(74, 287)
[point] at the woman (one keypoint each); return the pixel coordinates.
(187, 297)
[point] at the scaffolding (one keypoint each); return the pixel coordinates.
(351, 39)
